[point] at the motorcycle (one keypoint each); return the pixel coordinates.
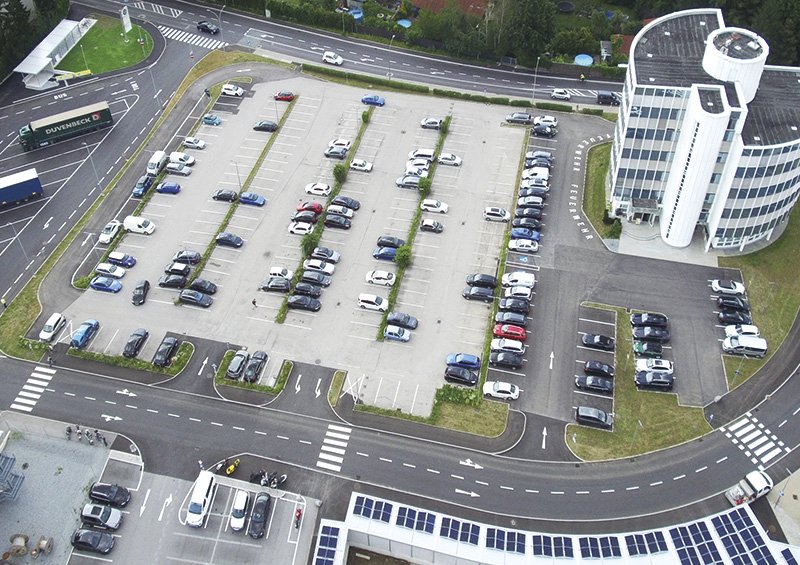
(232, 467)
(274, 480)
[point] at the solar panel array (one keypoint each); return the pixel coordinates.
(505, 540)
(741, 538)
(460, 531)
(326, 549)
(695, 544)
(373, 509)
(552, 546)
(646, 544)
(415, 519)
(600, 547)
(789, 556)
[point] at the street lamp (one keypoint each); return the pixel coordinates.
(535, 77)
(91, 160)
(236, 164)
(16, 236)
(389, 74)
(219, 22)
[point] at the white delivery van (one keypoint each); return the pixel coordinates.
(749, 345)
(157, 163)
(137, 224)
(182, 158)
(201, 499)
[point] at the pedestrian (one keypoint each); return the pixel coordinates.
(3, 302)
(255, 305)
(214, 367)
(200, 463)
(49, 361)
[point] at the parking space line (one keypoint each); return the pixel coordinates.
(504, 371)
(597, 322)
(361, 338)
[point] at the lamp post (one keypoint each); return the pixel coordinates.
(219, 22)
(535, 78)
(238, 178)
(91, 160)
(16, 236)
(85, 64)
(389, 74)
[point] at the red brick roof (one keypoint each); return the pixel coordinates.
(477, 7)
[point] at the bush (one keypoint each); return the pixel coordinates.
(425, 186)
(458, 395)
(340, 172)
(310, 241)
(592, 111)
(608, 220)
(555, 107)
(403, 257)
(615, 231)
(83, 282)
(365, 116)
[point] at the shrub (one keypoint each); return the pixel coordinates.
(555, 107)
(592, 111)
(615, 230)
(403, 257)
(340, 172)
(310, 241)
(83, 282)
(365, 116)
(458, 395)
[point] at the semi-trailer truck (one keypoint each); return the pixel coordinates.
(65, 125)
(19, 187)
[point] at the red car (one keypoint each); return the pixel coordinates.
(509, 331)
(284, 95)
(315, 207)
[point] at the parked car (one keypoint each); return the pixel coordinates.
(308, 289)
(211, 120)
(741, 329)
(340, 142)
(525, 233)
(460, 376)
(318, 189)
(596, 341)
(514, 305)
(316, 278)
(403, 320)
(284, 95)
(431, 226)
(523, 246)
(228, 239)
(142, 185)
(300, 228)
(465, 360)
(265, 125)
(478, 293)
(259, 515)
(187, 257)
(594, 384)
(255, 366)
(654, 380)
(193, 143)
(360, 165)
(204, 286)
(172, 281)
(408, 181)
(373, 100)
(101, 516)
(276, 284)
(280, 271)
(500, 390)
(336, 153)
(550, 121)
(310, 206)
(165, 352)
(326, 254)
(195, 298)
(84, 333)
(722, 286)
(482, 279)
(728, 317)
(303, 302)
(431, 123)
(648, 319)
(539, 154)
(105, 284)
(535, 213)
(649, 333)
(654, 365)
(93, 541)
(351, 203)
(513, 318)
(109, 270)
(543, 131)
(177, 169)
(509, 331)
(519, 118)
(521, 292)
(495, 214)
(372, 302)
(342, 211)
(225, 195)
(647, 349)
(390, 241)
(506, 359)
(121, 259)
(319, 266)
(599, 369)
(594, 417)
(238, 518)
(252, 199)
(52, 326)
(449, 159)
(396, 333)
(232, 90)
(109, 232)
(733, 303)
(114, 495)
(380, 278)
(135, 342)
(237, 365)
(519, 278)
(432, 205)
(384, 253)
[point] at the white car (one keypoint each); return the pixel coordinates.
(549, 121)
(280, 271)
(318, 189)
(301, 228)
(431, 205)
(519, 278)
(654, 366)
(523, 292)
(360, 165)
(332, 58)
(340, 142)
(337, 210)
(727, 287)
(510, 345)
(194, 143)
(423, 164)
(742, 329)
(494, 214)
(449, 159)
(417, 172)
(52, 326)
(535, 183)
(523, 246)
(239, 510)
(178, 169)
(560, 94)
(232, 90)
(109, 270)
(110, 231)
(380, 278)
(501, 390)
(319, 266)
(372, 302)
(430, 123)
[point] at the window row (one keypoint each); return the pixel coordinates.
(650, 133)
(760, 191)
(770, 171)
(640, 174)
(755, 211)
(647, 154)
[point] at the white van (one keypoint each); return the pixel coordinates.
(200, 501)
(182, 158)
(427, 154)
(137, 224)
(156, 163)
(537, 173)
(745, 345)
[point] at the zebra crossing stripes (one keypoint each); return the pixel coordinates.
(754, 439)
(32, 389)
(331, 454)
(191, 38)
(163, 10)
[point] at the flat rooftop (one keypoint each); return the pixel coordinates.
(671, 54)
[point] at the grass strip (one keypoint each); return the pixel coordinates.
(180, 360)
(335, 389)
(221, 380)
(594, 193)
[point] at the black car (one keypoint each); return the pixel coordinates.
(204, 286)
(265, 125)
(238, 364)
(431, 226)
(351, 203)
(528, 213)
(506, 359)
(534, 191)
(530, 223)
(308, 289)
(732, 317)
(647, 349)
(207, 27)
(228, 239)
(166, 350)
(598, 368)
(195, 298)
(276, 284)
(514, 305)
(512, 318)
(92, 540)
(135, 343)
(483, 280)
(733, 303)
(140, 292)
(596, 341)
(259, 515)
(654, 380)
(648, 319)
(187, 257)
(390, 241)
(300, 302)
(113, 495)
(254, 367)
(478, 293)
(172, 281)
(519, 118)
(316, 278)
(543, 131)
(225, 195)
(305, 216)
(460, 376)
(403, 320)
(594, 417)
(649, 333)
(594, 384)
(337, 222)
(177, 269)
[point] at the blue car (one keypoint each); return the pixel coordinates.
(525, 233)
(252, 199)
(142, 185)
(84, 333)
(105, 284)
(384, 253)
(121, 259)
(465, 360)
(211, 120)
(373, 100)
(168, 188)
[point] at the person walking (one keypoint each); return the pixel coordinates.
(255, 305)
(4, 303)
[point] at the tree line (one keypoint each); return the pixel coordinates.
(21, 30)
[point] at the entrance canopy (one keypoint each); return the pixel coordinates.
(39, 66)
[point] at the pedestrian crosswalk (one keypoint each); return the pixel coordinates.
(754, 439)
(331, 454)
(155, 8)
(33, 388)
(191, 38)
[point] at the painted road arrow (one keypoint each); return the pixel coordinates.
(470, 463)
(126, 392)
(469, 492)
(108, 418)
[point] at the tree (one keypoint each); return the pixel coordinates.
(777, 21)
(533, 22)
(403, 256)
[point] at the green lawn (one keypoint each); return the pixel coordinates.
(105, 49)
(594, 192)
(576, 19)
